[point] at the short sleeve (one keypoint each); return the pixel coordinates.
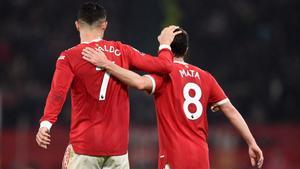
(157, 82)
(217, 96)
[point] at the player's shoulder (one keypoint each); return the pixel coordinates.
(70, 51)
(112, 43)
(202, 72)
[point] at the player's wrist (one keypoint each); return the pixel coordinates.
(108, 65)
(251, 142)
(164, 46)
(46, 124)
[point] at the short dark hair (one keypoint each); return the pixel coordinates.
(91, 12)
(180, 43)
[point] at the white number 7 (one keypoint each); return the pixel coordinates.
(104, 86)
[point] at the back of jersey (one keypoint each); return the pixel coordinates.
(181, 100)
(100, 103)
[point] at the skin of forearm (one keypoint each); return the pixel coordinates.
(238, 122)
(128, 77)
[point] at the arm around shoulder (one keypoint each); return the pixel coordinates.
(130, 78)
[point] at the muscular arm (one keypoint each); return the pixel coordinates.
(239, 123)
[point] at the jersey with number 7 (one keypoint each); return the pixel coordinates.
(181, 99)
(100, 103)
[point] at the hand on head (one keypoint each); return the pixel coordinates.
(167, 35)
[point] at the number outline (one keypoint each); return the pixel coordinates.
(192, 100)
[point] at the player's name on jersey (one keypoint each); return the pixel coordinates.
(189, 73)
(110, 49)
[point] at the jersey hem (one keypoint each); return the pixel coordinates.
(84, 152)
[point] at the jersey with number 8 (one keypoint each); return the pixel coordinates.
(181, 101)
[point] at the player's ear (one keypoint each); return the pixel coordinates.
(104, 25)
(77, 25)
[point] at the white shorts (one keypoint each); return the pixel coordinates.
(77, 161)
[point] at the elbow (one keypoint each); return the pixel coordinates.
(140, 83)
(230, 111)
(168, 67)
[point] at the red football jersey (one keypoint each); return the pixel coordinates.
(100, 103)
(181, 100)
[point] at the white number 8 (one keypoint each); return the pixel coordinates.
(192, 100)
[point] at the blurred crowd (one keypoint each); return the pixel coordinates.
(251, 47)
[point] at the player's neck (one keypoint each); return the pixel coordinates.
(90, 35)
(179, 59)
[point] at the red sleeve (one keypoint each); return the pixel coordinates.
(157, 82)
(216, 96)
(62, 79)
(140, 61)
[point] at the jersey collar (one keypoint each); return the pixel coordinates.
(95, 40)
(180, 62)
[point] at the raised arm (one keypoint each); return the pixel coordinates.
(62, 79)
(255, 153)
(162, 63)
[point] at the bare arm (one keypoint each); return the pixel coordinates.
(256, 155)
(128, 77)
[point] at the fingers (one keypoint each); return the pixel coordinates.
(100, 51)
(177, 32)
(253, 161)
(43, 138)
(92, 53)
(172, 28)
(256, 157)
(167, 34)
(88, 52)
(260, 159)
(41, 144)
(260, 163)
(87, 58)
(169, 29)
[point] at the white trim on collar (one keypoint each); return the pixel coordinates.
(180, 62)
(95, 40)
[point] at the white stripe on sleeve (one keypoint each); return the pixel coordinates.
(153, 83)
(215, 107)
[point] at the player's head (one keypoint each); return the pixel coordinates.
(91, 15)
(180, 44)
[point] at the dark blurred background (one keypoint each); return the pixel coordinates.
(251, 47)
